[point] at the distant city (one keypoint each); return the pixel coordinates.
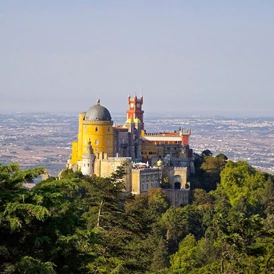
(44, 139)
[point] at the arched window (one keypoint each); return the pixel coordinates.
(96, 142)
(96, 129)
(177, 182)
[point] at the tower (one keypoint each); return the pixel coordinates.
(96, 128)
(87, 167)
(135, 111)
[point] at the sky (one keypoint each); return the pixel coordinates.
(185, 57)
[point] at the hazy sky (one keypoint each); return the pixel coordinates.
(189, 57)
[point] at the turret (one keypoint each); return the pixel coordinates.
(135, 109)
(88, 160)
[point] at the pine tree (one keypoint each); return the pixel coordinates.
(160, 256)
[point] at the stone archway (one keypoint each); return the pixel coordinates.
(177, 182)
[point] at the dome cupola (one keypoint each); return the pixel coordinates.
(98, 113)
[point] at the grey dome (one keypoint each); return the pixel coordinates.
(98, 113)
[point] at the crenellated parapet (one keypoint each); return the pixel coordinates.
(174, 133)
(152, 134)
(135, 99)
(182, 159)
(180, 168)
(121, 159)
(184, 132)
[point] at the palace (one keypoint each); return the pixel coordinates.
(152, 159)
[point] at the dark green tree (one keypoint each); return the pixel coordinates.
(160, 256)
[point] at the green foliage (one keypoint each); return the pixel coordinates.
(29, 265)
(160, 256)
(222, 156)
(206, 153)
(82, 224)
(212, 166)
(201, 197)
(240, 180)
(183, 261)
(208, 170)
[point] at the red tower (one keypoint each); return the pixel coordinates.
(135, 109)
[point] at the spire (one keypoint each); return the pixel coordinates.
(87, 166)
(98, 101)
(89, 150)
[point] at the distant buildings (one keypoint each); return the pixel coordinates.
(152, 159)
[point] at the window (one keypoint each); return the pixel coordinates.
(96, 129)
(108, 142)
(108, 129)
(96, 142)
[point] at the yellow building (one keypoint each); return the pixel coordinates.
(145, 178)
(96, 127)
(101, 147)
(160, 144)
(95, 151)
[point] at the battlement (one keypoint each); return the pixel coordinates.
(135, 99)
(180, 168)
(186, 132)
(181, 160)
(122, 159)
(174, 133)
(171, 190)
(153, 134)
(146, 170)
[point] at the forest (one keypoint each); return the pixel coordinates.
(80, 224)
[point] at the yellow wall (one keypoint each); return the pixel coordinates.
(149, 149)
(80, 136)
(106, 166)
(136, 182)
(74, 152)
(101, 135)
